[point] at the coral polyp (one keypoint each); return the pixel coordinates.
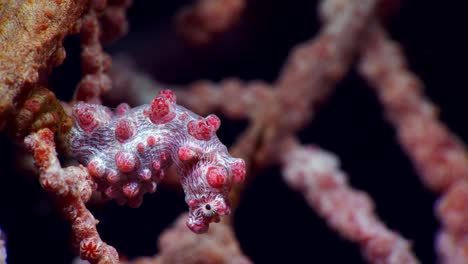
(127, 152)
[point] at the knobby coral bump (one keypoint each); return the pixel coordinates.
(128, 150)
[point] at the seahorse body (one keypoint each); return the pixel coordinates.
(128, 150)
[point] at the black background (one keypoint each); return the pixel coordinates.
(273, 224)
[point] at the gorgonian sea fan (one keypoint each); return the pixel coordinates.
(128, 150)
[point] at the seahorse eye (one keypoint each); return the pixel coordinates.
(208, 207)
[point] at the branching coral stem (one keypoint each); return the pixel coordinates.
(71, 188)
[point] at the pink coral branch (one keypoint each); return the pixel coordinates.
(104, 21)
(439, 156)
(316, 174)
(95, 62)
(71, 187)
(314, 67)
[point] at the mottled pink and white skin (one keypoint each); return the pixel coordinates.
(127, 151)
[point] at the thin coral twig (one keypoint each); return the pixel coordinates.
(316, 174)
(71, 187)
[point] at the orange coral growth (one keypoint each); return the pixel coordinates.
(41, 46)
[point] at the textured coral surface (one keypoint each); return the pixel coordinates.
(40, 27)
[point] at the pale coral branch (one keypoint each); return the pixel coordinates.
(71, 188)
(438, 155)
(307, 79)
(314, 68)
(94, 62)
(104, 22)
(316, 175)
